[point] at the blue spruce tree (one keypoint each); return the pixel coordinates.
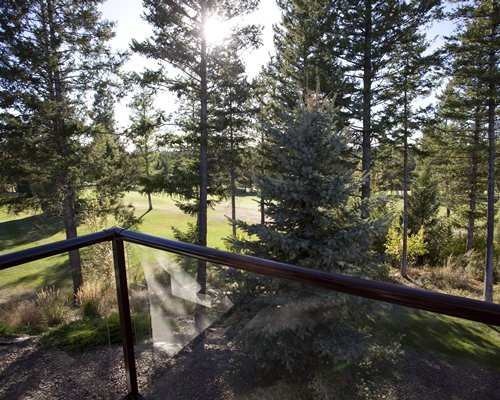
(312, 204)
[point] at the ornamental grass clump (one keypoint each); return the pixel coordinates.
(54, 305)
(25, 314)
(95, 301)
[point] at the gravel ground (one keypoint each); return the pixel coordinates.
(206, 369)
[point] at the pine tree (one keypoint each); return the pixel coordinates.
(179, 40)
(232, 118)
(367, 37)
(412, 79)
(474, 50)
(304, 62)
(143, 134)
(423, 204)
(462, 142)
(313, 218)
(108, 167)
(53, 53)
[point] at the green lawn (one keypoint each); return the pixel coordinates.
(18, 232)
(459, 341)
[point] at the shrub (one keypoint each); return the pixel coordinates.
(438, 240)
(93, 300)
(54, 306)
(474, 262)
(84, 334)
(416, 245)
(25, 314)
(316, 338)
(450, 276)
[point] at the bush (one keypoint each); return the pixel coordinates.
(25, 314)
(54, 306)
(450, 276)
(85, 334)
(316, 338)
(94, 300)
(416, 245)
(438, 239)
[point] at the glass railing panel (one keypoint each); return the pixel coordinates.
(280, 340)
(53, 344)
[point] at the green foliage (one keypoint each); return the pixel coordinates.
(55, 56)
(54, 306)
(190, 235)
(312, 337)
(45, 130)
(416, 245)
(314, 217)
(88, 333)
(423, 204)
(143, 133)
(8, 331)
(423, 208)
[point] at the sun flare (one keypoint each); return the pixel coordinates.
(216, 30)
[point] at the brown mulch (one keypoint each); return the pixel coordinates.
(206, 369)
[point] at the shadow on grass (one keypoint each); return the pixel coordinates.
(459, 341)
(29, 229)
(57, 274)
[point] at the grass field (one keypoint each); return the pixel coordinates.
(18, 232)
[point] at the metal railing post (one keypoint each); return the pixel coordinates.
(125, 319)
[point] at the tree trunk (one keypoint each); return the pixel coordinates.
(473, 182)
(232, 174)
(71, 232)
(201, 276)
(367, 94)
(488, 272)
(261, 201)
(68, 202)
(405, 188)
(150, 202)
(146, 161)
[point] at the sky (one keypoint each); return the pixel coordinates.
(130, 25)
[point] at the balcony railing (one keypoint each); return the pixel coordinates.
(474, 310)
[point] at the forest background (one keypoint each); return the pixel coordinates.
(425, 175)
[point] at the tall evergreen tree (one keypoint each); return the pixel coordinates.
(423, 204)
(460, 150)
(108, 167)
(143, 134)
(304, 63)
(368, 37)
(52, 54)
(180, 40)
(411, 80)
(474, 49)
(232, 118)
